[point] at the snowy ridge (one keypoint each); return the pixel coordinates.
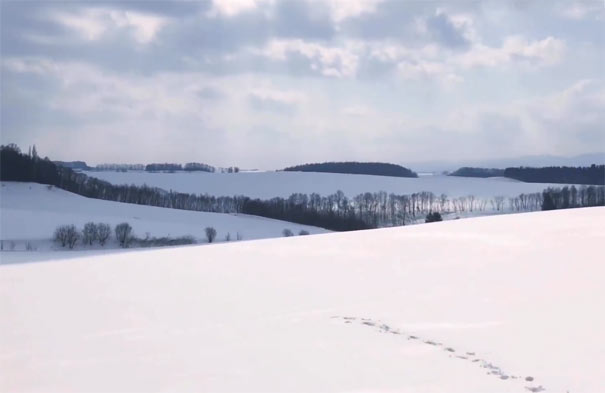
(31, 212)
(522, 293)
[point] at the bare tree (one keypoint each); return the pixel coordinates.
(443, 202)
(471, 202)
(66, 235)
(61, 235)
(482, 204)
(89, 233)
(210, 234)
(72, 236)
(497, 203)
(103, 233)
(124, 234)
(287, 233)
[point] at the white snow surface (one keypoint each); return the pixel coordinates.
(31, 211)
(266, 185)
(519, 298)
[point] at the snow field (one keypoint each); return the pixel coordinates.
(31, 212)
(266, 185)
(521, 294)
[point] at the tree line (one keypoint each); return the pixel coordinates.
(335, 212)
(69, 236)
(572, 197)
(155, 167)
(358, 168)
(120, 167)
(594, 174)
(477, 172)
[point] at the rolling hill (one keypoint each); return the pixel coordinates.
(495, 304)
(31, 212)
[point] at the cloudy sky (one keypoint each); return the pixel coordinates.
(269, 83)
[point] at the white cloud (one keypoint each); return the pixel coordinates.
(430, 61)
(284, 96)
(428, 69)
(345, 9)
(515, 49)
(93, 23)
(87, 23)
(336, 62)
(33, 65)
(582, 10)
(229, 8)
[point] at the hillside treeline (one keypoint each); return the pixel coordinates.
(15, 166)
(571, 197)
(477, 172)
(594, 174)
(78, 165)
(336, 212)
(120, 167)
(358, 168)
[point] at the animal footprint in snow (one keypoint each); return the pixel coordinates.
(535, 388)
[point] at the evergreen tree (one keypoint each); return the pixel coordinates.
(547, 202)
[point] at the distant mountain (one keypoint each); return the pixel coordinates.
(528, 161)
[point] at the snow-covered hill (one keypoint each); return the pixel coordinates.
(267, 185)
(31, 212)
(496, 304)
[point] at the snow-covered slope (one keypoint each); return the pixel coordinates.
(31, 211)
(495, 304)
(272, 184)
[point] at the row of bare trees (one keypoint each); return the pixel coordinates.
(69, 235)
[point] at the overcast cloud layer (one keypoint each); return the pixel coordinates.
(269, 83)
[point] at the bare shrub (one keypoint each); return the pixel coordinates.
(61, 235)
(210, 234)
(287, 233)
(149, 241)
(303, 233)
(67, 235)
(89, 233)
(103, 233)
(124, 234)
